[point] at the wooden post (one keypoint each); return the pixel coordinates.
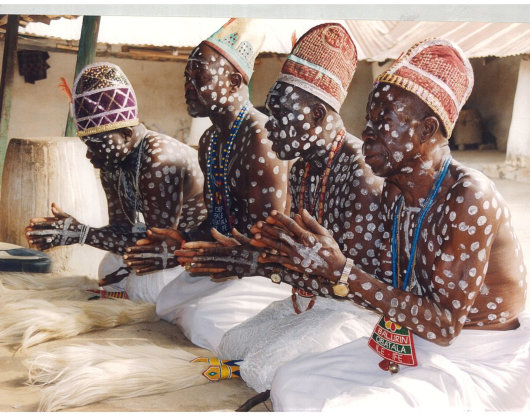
(6, 82)
(85, 55)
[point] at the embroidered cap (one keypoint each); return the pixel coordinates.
(239, 40)
(322, 62)
(103, 100)
(438, 72)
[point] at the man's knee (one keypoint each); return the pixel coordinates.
(283, 386)
(166, 305)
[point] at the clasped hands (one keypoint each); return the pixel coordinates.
(300, 244)
(155, 252)
(159, 250)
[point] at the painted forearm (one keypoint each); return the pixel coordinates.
(319, 287)
(421, 314)
(113, 238)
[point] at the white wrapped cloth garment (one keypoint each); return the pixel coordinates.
(480, 370)
(205, 309)
(277, 335)
(145, 288)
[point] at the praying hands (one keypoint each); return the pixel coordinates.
(155, 252)
(160, 248)
(301, 244)
(225, 257)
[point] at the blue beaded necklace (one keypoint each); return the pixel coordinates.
(395, 232)
(217, 171)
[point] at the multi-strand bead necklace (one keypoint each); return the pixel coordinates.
(217, 181)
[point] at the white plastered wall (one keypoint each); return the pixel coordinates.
(518, 151)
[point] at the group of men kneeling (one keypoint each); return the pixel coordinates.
(360, 246)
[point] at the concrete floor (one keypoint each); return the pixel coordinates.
(225, 395)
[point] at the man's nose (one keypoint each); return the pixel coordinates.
(368, 133)
(269, 125)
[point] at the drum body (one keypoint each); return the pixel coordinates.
(42, 170)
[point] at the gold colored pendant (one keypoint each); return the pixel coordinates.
(393, 368)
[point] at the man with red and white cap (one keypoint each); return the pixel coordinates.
(149, 179)
(333, 184)
(451, 286)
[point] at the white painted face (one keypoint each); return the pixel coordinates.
(208, 85)
(292, 126)
(108, 149)
(390, 141)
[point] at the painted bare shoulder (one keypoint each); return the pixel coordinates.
(202, 152)
(478, 219)
(170, 182)
(257, 178)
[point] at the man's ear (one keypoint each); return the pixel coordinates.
(127, 133)
(319, 112)
(236, 79)
(429, 128)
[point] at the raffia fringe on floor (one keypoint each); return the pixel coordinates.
(16, 280)
(78, 375)
(32, 321)
(8, 295)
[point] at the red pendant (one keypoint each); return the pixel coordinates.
(394, 343)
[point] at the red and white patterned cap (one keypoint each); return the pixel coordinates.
(322, 62)
(103, 99)
(438, 72)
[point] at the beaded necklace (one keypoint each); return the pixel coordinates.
(135, 222)
(303, 198)
(217, 181)
(303, 201)
(395, 229)
(400, 349)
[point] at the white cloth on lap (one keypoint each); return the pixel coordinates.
(205, 309)
(277, 335)
(480, 370)
(145, 288)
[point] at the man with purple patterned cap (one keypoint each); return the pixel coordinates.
(451, 286)
(150, 180)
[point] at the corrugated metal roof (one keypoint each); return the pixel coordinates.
(169, 31)
(383, 40)
(376, 40)
(24, 19)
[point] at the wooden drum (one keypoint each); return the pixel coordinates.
(39, 171)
